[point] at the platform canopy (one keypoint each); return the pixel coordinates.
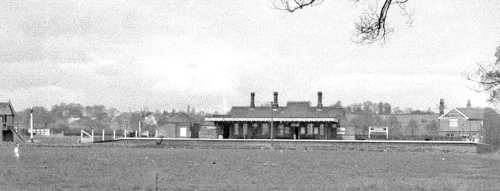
(222, 119)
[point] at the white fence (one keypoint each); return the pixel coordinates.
(86, 137)
(91, 137)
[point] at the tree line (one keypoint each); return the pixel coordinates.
(381, 108)
(68, 116)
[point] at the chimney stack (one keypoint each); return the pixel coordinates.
(252, 100)
(320, 100)
(441, 106)
(275, 102)
(469, 105)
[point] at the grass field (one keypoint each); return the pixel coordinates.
(118, 168)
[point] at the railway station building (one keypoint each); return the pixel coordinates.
(295, 120)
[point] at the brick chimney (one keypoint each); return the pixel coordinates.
(469, 105)
(320, 100)
(441, 106)
(252, 100)
(275, 102)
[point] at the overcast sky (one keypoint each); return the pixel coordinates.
(212, 53)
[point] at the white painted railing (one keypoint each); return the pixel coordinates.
(86, 137)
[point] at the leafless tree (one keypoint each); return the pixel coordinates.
(487, 77)
(372, 25)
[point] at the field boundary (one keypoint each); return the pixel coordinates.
(294, 140)
(281, 144)
(329, 145)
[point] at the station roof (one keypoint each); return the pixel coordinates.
(293, 111)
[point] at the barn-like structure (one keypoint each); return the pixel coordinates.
(7, 114)
(295, 120)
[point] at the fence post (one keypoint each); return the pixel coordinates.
(103, 134)
(125, 133)
(81, 135)
(114, 134)
(135, 133)
(92, 135)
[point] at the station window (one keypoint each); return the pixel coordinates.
(236, 129)
(245, 129)
(302, 130)
(281, 129)
(453, 122)
(310, 129)
(316, 131)
(321, 129)
(265, 128)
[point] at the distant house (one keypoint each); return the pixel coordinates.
(7, 114)
(464, 122)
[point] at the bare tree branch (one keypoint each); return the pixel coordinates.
(487, 77)
(370, 28)
(295, 5)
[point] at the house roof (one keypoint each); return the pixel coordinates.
(176, 118)
(291, 110)
(6, 108)
(472, 113)
(469, 113)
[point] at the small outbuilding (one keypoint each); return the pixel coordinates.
(7, 115)
(178, 125)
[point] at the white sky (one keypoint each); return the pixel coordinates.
(212, 54)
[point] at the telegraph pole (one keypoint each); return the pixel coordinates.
(140, 120)
(31, 124)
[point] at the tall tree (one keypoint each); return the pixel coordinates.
(432, 127)
(491, 126)
(338, 104)
(413, 126)
(42, 118)
(387, 108)
(394, 126)
(380, 108)
(362, 121)
(368, 107)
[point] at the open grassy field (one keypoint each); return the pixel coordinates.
(118, 168)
